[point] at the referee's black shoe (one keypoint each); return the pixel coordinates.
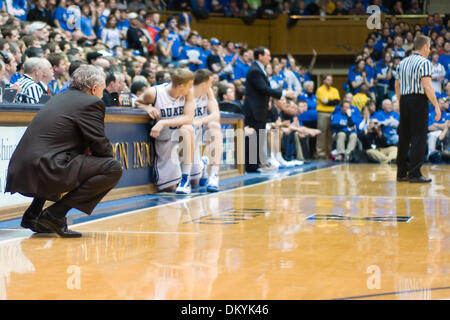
(420, 179)
(402, 179)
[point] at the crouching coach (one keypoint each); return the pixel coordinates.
(65, 151)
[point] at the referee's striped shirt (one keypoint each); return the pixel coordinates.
(31, 91)
(410, 72)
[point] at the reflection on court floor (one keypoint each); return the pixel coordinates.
(347, 231)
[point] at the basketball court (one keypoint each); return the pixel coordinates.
(318, 232)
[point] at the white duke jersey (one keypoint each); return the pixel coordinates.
(168, 106)
(201, 111)
(201, 106)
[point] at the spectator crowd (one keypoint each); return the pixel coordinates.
(43, 43)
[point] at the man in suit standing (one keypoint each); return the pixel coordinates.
(256, 103)
(65, 150)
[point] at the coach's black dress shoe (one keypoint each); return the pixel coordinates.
(29, 222)
(402, 179)
(56, 225)
(420, 179)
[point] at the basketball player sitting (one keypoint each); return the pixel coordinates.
(172, 106)
(206, 129)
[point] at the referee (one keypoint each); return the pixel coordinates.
(412, 87)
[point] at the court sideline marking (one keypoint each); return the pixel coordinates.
(392, 293)
(333, 166)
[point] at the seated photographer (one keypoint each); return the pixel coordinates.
(389, 120)
(307, 132)
(373, 140)
(309, 117)
(343, 126)
(276, 129)
(291, 126)
(436, 128)
(288, 109)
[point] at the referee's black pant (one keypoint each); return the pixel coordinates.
(412, 131)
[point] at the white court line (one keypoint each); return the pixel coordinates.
(179, 201)
(139, 232)
(346, 196)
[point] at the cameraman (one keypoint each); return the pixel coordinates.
(370, 133)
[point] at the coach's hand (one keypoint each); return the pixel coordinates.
(290, 94)
(156, 130)
(153, 113)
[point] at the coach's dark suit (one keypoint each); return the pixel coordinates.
(64, 149)
(257, 95)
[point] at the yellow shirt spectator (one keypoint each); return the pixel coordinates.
(330, 7)
(359, 100)
(326, 93)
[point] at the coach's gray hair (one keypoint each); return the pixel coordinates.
(86, 76)
(32, 64)
(307, 84)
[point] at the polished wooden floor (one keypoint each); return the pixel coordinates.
(347, 231)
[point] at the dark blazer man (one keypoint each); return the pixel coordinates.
(256, 103)
(65, 150)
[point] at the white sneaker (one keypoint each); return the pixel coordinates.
(267, 168)
(184, 187)
(282, 162)
(213, 183)
(274, 162)
(204, 178)
(298, 162)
